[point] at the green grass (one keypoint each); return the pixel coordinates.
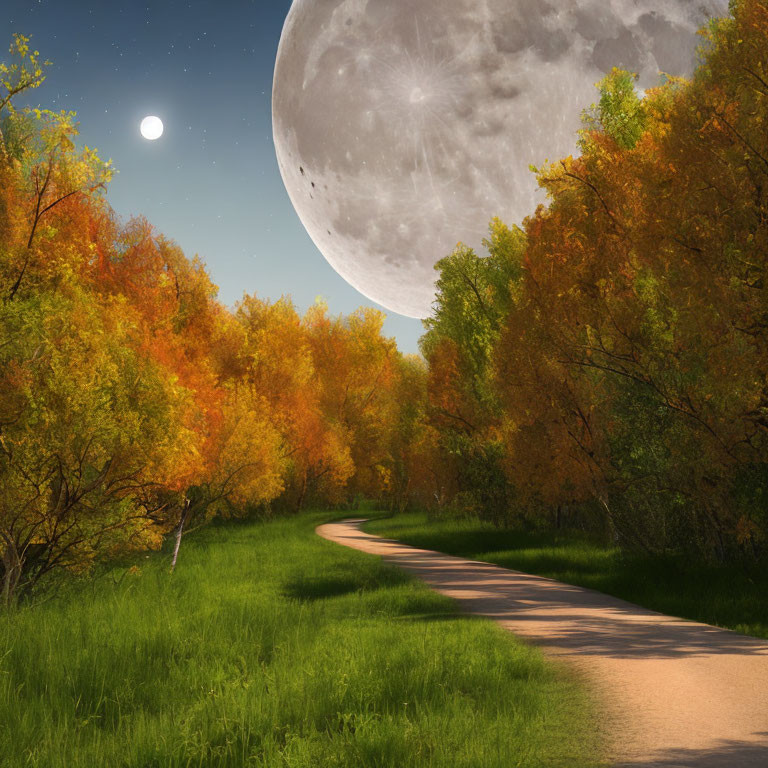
(724, 596)
(272, 647)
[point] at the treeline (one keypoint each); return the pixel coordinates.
(604, 366)
(607, 365)
(133, 404)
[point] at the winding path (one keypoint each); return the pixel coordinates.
(677, 694)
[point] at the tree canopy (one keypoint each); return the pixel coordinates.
(604, 364)
(625, 361)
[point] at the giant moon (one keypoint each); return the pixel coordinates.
(403, 126)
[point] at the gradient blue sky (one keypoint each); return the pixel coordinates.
(212, 181)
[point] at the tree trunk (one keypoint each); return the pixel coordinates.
(179, 532)
(302, 493)
(11, 574)
(403, 501)
(721, 550)
(610, 526)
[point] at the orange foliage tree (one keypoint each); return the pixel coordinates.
(627, 360)
(133, 405)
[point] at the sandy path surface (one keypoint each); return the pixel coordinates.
(677, 694)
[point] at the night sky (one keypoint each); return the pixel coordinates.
(211, 182)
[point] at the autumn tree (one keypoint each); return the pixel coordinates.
(474, 293)
(134, 406)
(420, 477)
(644, 276)
(41, 145)
(85, 420)
(280, 368)
(621, 368)
(356, 370)
(87, 425)
(25, 71)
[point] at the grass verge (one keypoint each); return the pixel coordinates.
(724, 596)
(272, 647)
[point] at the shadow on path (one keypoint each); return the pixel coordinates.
(730, 754)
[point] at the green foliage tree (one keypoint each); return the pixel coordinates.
(620, 112)
(25, 71)
(473, 294)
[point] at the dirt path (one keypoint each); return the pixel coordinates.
(679, 694)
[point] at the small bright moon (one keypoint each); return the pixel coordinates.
(151, 128)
